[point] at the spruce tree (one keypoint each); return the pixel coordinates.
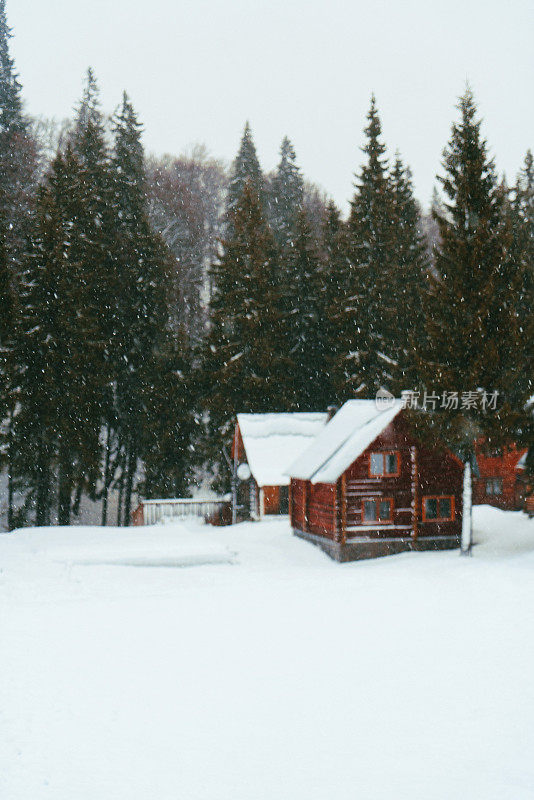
(334, 289)
(58, 354)
(245, 169)
(408, 277)
(18, 162)
(149, 356)
(69, 299)
(18, 157)
(523, 206)
(242, 364)
(11, 117)
(7, 319)
(473, 291)
(368, 320)
(286, 193)
(475, 341)
(96, 246)
(303, 339)
(7, 322)
(130, 346)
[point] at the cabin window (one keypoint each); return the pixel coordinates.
(378, 510)
(438, 509)
(494, 486)
(384, 463)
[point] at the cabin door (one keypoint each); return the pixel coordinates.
(284, 499)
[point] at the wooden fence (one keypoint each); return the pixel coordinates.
(151, 512)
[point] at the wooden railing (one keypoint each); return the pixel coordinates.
(182, 508)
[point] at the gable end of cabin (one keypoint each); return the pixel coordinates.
(396, 495)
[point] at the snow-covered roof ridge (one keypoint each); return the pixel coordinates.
(272, 441)
(299, 423)
(355, 426)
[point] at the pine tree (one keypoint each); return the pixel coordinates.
(130, 346)
(245, 169)
(68, 319)
(7, 319)
(17, 155)
(242, 365)
(472, 344)
(368, 322)
(11, 118)
(334, 289)
(149, 356)
(303, 339)
(475, 338)
(286, 193)
(7, 323)
(408, 277)
(96, 246)
(523, 206)
(18, 161)
(58, 351)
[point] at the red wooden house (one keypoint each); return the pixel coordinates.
(366, 487)
(268, 444)
(500, 481)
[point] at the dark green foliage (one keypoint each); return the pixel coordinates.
(242, 367)
(59, 351)
(523, 206)
(286, 194)
(334, 288)
(148, 356)
(17, 180)
(407, 280)
(367, 325)
(302, 334)
(245, 169)
(11, 117)
(476, 339)
(93, 349)
(169, 424)
(7, 318)
(17, 156)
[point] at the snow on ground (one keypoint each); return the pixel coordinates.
(273, 674)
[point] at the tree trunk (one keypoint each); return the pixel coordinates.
(65, 487)
(132, 466)
(10, 509)
(42, 505)
(467, 520)
(121, 493)
(105, 492)
(77, 498)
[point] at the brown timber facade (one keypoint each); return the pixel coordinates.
(397, 495)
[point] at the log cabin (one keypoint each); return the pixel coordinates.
(500, 481)
(367, 487)
(268, 444)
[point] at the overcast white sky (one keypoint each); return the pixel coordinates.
(197, 69)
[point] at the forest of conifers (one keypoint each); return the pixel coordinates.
(144, 301)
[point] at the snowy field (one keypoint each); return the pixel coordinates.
(193, 663)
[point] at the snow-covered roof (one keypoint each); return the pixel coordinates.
(273, 441)
(355, 426)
